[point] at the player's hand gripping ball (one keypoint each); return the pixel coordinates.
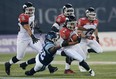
(74, 38)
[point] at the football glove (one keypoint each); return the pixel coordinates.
(34, 39)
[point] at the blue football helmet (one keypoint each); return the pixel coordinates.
(51, 36)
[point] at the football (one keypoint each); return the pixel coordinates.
(74, 38)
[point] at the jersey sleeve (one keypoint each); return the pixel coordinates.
(23, 19)
(60, 19)
(96, 22)
(64, 33)
(79, 23)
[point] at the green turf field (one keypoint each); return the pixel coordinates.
(103, 64)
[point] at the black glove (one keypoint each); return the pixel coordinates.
(34, 39)
(97, 39)
(64, 43)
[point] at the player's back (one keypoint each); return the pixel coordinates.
(45, 56)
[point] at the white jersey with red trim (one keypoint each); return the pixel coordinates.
(25, 19)
(85, 23)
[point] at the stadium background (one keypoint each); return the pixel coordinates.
(46, 10)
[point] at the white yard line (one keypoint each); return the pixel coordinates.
(75, 62)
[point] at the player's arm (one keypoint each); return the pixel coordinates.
(55, 27)
(96, 31)
(96, 35)
(24, 21)
(55, 48)
(28, 29)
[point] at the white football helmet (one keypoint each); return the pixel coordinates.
(90, 13)
(29, 9)
(68, 10)
(71, 22)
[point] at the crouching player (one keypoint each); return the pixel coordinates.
(73, 49)
(47, 55)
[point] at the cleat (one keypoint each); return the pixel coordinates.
(69, 71)
(23, 65)
(82, 69)
(92, 73)
(52, 69)
(7, 68)
(28, 73)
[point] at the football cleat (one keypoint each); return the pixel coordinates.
(52, 69)
(7, 68)
(28, 73)
(23, 65)
(69, 71)
(92, 73)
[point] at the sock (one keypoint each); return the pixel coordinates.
(63, 53)
(32, 71)
(13, 60)
(68, 62)
(31, 61)
(91, 50)
(67, 66)
(85, 65)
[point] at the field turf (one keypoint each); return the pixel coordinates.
(103, 64)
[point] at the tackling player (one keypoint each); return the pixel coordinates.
(47, 55)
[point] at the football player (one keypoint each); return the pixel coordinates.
(68, 11)
(47, 55)
(88, 26)
(25, 35)
(73, 50)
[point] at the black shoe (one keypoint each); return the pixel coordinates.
(28, 73)
(52, 69)
(23, 65)
(7, 68)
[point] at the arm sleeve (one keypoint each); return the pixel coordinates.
(23, 19)
(55, 27)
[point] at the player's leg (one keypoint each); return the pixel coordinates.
(38, 67)
(38, 47)
(95, 46)
(28, 62)
(77, 56)
(81, 48)
(21, 46)
(68, 61)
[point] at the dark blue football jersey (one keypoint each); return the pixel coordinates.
(45, 56)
